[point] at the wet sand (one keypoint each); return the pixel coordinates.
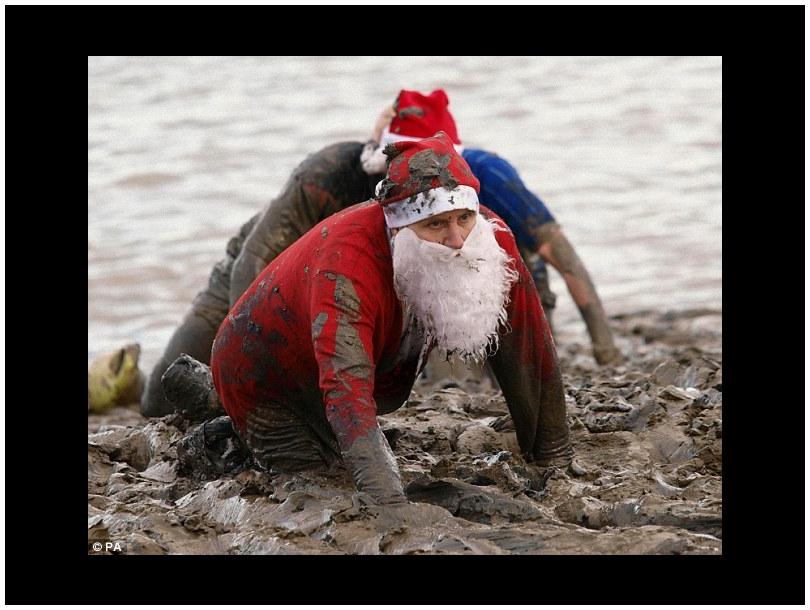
(647, 434)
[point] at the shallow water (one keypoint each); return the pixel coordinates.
(625, 151)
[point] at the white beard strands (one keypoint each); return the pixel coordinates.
(457, 297)
(373, 160)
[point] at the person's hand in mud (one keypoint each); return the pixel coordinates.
(401, 515)
(374, 470)
(607, 354)
(382, 121)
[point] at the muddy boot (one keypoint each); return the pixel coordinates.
(188, 384)
(211, 450)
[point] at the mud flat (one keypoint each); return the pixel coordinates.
(647, 435)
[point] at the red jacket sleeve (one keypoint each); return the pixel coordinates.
(344, 313)
(527, 368)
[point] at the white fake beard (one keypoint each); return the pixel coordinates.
(373, 160)
(457, 297)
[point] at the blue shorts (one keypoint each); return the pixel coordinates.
(504, 193)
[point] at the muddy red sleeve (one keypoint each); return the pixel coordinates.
(343, 314)
(527, 370)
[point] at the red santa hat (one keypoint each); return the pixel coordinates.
(425, 178)
(420, 116)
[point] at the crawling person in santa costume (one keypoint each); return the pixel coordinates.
(342, 174)
(336, 329)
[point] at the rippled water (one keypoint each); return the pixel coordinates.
(625, 151)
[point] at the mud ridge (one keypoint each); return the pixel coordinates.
(647, 435)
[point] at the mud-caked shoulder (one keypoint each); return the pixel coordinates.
(336, 169)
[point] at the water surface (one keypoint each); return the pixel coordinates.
(625, 151)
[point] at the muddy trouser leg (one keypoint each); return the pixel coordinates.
(194, 337)
(196, 332)
(282, 441)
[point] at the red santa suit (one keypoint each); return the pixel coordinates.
(315, 349)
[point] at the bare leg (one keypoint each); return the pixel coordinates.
(557, 250)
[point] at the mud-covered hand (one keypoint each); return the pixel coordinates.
(607, 354)
(374, 468)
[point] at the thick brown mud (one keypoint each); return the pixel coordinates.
(647, 435)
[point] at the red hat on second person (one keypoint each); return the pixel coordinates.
(425, 178)
(420, 116)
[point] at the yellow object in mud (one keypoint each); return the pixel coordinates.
(114, 379)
